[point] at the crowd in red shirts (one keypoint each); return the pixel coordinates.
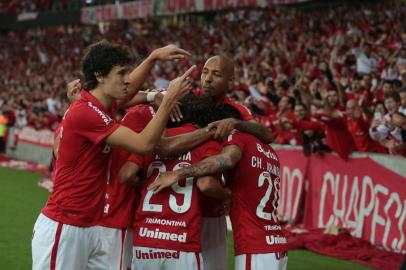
(327, 79)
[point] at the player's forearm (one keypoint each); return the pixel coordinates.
(152, 133)
(140, 74)
(261, 132)
(210, 166)
(176, 145)
(139, 98)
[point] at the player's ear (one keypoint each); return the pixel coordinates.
(99, 77)
(231, 82)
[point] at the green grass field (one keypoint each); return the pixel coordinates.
(21, 201)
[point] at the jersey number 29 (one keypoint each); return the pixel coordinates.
(186, 191)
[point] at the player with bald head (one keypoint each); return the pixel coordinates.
(217, 79)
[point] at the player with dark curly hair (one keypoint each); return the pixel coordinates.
(66, 235)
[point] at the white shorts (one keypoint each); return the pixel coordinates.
(153, 258)
(266, 261)
(118, 243)
(58, 246)
(214, 243)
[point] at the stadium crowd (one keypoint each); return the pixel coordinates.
(311, 78)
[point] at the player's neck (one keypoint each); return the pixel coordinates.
(219, 100)
(104, 99)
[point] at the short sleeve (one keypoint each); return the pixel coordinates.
(245, 113)
(137, 159)
(90, 122)
(237, 139)
(210, 148)
(134, 120)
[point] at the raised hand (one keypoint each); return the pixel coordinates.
(223, 128)
(169, 52)
(176, 113)
(179, 87)
(73, 90)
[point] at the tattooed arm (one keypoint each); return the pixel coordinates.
(224, 128)
(220, 163)
(256, 129)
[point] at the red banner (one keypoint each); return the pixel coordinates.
(127, 11)
(171, 7)
(293, 175)
(360, 194)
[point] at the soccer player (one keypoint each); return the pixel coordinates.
(254, 182)
(65, 235)
(121, 200)
(217, 79)
(167, 226)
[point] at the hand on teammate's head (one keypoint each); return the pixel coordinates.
(223, 128)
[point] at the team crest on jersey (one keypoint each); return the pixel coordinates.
(106, 149)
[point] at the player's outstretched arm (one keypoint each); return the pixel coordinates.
(226, 126)
(140, 73)
(144, 142)
(227, 159)
(176, 145)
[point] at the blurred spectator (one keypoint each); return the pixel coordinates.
(383, 130)
(308, 132)
(338, 138)
(358, 125)
(402, 94)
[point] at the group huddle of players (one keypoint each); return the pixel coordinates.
(152, 191)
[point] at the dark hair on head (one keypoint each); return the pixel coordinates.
(388, 82)
(224, 111)
(100, 58)
(397, 84)
(195, 110)
(392, 94)
(291, 101)
(201, 111)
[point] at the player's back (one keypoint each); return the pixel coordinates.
(254, 184)
(171, 219)
(121, 200)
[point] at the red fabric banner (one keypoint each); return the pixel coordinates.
(293, 169)
(360, 195)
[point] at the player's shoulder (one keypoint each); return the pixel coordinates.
(139, 111)
(84, 111)
(211, 143)
(236, 104)
(239, 135)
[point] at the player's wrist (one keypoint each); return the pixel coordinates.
(151, 96)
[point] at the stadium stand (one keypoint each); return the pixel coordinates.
(361, 54)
